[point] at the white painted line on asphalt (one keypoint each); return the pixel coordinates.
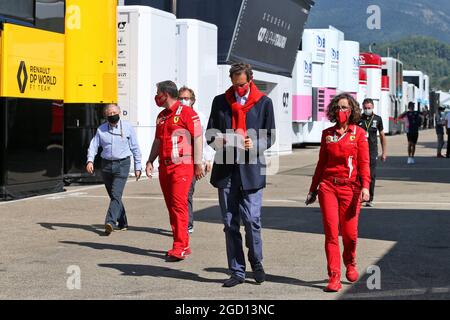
(44, 196)
(413, 202)
(412, 168)
(162, 198)
(84, 195)
(60, 195)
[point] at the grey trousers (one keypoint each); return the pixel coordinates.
(373, 176)
(190, 204)
(440, 142)
(236, 205)
(115, 175)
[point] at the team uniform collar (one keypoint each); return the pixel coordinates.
(173, 108)
(351, 128)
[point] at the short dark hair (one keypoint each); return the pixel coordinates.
(354, 106)
(411, 105)
(367, 101)
(238, 68)
(191, 92)
(168, 87)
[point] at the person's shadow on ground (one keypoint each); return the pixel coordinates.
(127, 249)
(137, 270)
(99, 229)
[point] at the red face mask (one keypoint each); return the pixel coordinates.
(343, 116)
(242, 91)
(160, 100)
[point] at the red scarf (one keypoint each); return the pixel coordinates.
(239, 112)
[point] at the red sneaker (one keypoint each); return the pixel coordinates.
(334, 284)
(352, 274)
(179, 254)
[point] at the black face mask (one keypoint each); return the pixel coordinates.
(114, 119)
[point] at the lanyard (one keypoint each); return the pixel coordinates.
(370, 122)
(116, 134)
(336, 139)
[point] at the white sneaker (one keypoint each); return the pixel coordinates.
(413, 161)
(409, 160)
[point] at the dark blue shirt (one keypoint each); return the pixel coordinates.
(414, 121)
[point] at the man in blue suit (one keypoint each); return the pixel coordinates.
(240, 128)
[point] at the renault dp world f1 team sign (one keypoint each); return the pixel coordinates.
(268, 34)
(32, 63)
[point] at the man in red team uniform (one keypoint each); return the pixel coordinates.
(178, 143)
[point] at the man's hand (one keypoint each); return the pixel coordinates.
(208, 167)
(383, 157)
(248, 143)
(311, 198)
(137, 173)
(90, 168)
(149, 169)
(365, 195)
(199, 171)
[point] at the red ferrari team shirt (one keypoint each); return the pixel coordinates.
(176, 128)
(343, 156)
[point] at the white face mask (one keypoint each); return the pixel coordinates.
(186, 102)
(368, 112)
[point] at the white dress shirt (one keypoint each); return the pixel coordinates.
(242, 100)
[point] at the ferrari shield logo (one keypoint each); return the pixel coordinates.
(352, 138)
(176, 119)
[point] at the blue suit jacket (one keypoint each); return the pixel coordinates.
(252, 171)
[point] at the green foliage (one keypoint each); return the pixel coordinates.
(421, 53)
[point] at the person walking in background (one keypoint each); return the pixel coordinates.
(240, 177)
(178, 143)
(440, 124)
(413, 121)
(342, 181)
(426, 116)
(119, 142)
(447, 127)
(186, 96)
(373, 124)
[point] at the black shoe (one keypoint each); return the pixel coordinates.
(258, 273)
(123, 228)
(232, 282)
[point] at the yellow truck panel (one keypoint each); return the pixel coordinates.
(32, 63)
(90, 55)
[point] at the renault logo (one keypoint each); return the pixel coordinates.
(22, 73)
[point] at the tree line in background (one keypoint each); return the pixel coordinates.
(420, 53)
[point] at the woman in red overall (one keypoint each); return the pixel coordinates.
(341, 180)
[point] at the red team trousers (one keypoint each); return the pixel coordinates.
(175, 181)
(340, 211)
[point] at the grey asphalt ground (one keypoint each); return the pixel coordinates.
(406, 235)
